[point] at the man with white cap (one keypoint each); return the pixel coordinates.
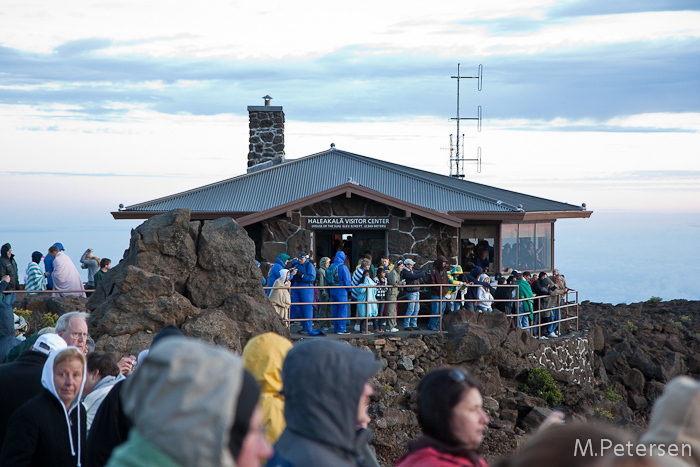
(21, 379)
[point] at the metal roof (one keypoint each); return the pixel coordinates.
(260, 191)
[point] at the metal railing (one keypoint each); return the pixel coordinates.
(568, 310)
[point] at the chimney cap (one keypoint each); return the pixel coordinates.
(267, 99)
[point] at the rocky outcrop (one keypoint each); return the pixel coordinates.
(199, 276)
(614, 367)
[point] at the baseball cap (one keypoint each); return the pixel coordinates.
(302, 254)
(59, 245)
(47, 343)
(409, 261)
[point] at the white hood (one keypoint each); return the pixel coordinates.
(48, 383)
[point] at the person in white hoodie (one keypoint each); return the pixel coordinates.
(50, 428)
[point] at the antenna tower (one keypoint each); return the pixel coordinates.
(457, 161)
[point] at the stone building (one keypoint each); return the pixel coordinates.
(363, 204)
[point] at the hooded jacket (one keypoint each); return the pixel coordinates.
(182, 402)
(19, 382)
(42, 432)
(525, 291)
(280, 263)
(8, 266)
(323, 382)
(281, 297)
(263, 356)
(7, 327)
(343, 275)
(675, 420)
(93, 400)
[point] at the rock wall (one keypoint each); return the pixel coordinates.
(417, 238)
(199, 276)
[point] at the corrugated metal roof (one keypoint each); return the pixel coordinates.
(259, 191)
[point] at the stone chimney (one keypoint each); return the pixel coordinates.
(266, 135)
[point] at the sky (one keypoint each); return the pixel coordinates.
(105, 103)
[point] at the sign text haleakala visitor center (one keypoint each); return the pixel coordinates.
(342, 222)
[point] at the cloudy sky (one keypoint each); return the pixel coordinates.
(108, 102)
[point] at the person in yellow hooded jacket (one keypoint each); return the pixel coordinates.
(263, 356)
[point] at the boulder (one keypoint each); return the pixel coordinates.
(165, 245)
(534, 418)
(225, 265)
(208, 285)
(467, 342)
(140, 301)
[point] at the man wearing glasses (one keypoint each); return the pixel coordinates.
(73, 328)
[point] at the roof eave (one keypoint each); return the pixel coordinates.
(351, 189)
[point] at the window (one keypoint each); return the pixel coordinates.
(526, 247)
(478, 246)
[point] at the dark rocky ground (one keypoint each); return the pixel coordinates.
(633, 350)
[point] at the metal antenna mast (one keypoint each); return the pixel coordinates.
(456, 161)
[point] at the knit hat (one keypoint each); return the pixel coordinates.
(36, 257)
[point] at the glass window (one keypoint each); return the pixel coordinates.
(478, 243)
(527, 247)
(509, 251)
(543, 244)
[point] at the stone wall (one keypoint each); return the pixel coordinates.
(416, 237)
(570, 359)
(266, 134)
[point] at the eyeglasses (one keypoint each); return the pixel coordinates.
(457, 376)
(77, 335)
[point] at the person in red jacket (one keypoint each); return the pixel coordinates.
(452, 418)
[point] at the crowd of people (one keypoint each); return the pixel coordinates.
(375, 291)
(190, 403)
(59, 273)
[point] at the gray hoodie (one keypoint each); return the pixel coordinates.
(322, 384)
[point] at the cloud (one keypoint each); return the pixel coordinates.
(597, 82)
(82, 46)
(596, 7)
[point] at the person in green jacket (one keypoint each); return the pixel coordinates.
(525, 306)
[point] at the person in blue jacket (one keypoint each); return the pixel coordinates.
(340, 295)
(48, 266)
(280, 263)
(303, 278)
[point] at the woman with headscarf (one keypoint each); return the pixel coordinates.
(452, 418)
(281, 296)
(280, 263)
(192, 404)
(50, 428)
(34, 278)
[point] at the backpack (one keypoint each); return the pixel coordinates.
(332, 275)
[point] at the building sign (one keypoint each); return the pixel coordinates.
(345, 223)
